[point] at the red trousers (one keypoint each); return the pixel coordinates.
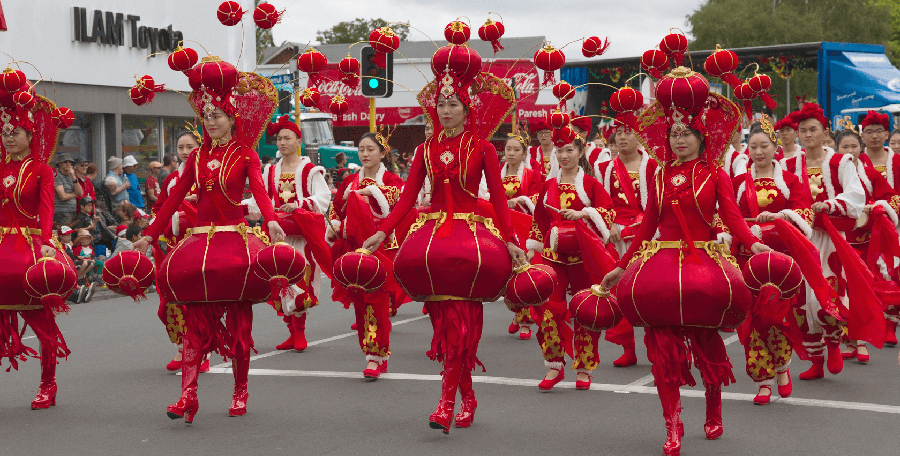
(554, 334)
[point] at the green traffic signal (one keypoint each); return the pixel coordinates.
(373, 83)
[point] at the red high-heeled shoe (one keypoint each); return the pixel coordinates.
(299, 324)
(373, 374)
(46, 396)
(713, 425)
(583, 385)
(762, 399)
(186, 407)
(468, 403)
(890, 338)
(46, 393)
(670, 398)
(547, 385)
(204, 367)
(525, 334)
(786, 389)
(442, 418)
(861, 357)
(239, 401)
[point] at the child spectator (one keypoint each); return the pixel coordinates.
(84, 262)
(122, 242)
(85, 218)
(141, 219)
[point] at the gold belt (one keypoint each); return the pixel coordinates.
(22, 307)
(241, 229)
(4, 230)
(470, 217)
(712, 248)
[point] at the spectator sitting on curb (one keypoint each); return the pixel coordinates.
(134, 188)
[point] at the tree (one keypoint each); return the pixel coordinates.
(263, 39)
(745, 23)
(357, 30)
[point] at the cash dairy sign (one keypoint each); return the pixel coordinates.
(117, 29)
(527, 85)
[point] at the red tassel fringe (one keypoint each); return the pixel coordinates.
(497, 46)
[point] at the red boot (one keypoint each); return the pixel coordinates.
(835, 359)
(466, 415)
(187, 404)
(713, 425)
(442, 418)
(289, 343)
(46, 394)
(513, 327)
(241, 367)
(299, 324)
(815, 371)
(670, 397)
(891, 334)
(629, 358)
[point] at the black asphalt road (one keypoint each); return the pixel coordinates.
(114, 389)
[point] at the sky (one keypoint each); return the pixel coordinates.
(633, 26)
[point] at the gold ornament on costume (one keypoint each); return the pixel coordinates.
(384, 135)
(766, 124)
(520, 133)
(846, 124)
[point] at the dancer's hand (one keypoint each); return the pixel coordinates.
(364, 192)
(821, 207)
(48, 251)
(766, 217)
(276, 234)
(615, 235)
(142, 244)
(569, 214)
(612, 279)
(530, 255)
(759, 247)
(517, 254)
(374, 242)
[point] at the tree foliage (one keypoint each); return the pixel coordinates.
(357, 30)
(746, 23)
(263, 39)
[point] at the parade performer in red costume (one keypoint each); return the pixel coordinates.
(543, 156)
(627, 179)
(768, 196)
(683, 285)
(875, 234)
(26, 225)
(522, 185)
(455, 257)
(171, 314)
(735, 160)
(361, 204)
(595, 155)
(209, 272)
(875, 131)
(787, 135)
(300, 197)
(572, 196)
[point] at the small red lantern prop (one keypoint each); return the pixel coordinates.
(62, 117)
(563, 91)
(654, 62)
(675, 45)
(24, 99)
(761, 83)
(746, 94)
(281, 266)
(309, 97)
(213, 73)
(338, 105)
(384, 41)
(230, 13)
(721, 64)
(457, 32)
(626, 99)
(492, 31)
(360, 270)
(129, 273)
(549, 59)
(52, 282)
(12, 80)
(592, 47)
(349, 68)
(595, 309)
(183, 59)
(531, 285)
(136, 96)
(312, 62)
(772, 277)
(685, 90)
(266, 16)
(558, 119)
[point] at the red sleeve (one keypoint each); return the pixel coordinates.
(647, 228)
(174, 199)
(407, 201)
(729, 212)
(163, 193)
(602, 202)
(799, 199)
(535, 185)
(257, 188)
(339, 201)
(895, 167)
(48, 197)
(498, 193)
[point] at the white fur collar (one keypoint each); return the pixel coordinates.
(579, 189)
(777, 176)
(519, 173)
(863, 177)
(379, 178)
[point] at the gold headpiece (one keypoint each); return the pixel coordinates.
(192, 127)
(520, 133)
(384, 135)
(766, 124)
(846, 123)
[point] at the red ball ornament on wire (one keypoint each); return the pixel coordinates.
(674, 45)
(558, 119)
(183, 59)
(626, 99)
(62, 117)
(491, 32)
(460, 61)
(385, 41)
(145, 84)
(214, 74)
(683, 89)
(349, 68)
(265, 16)
(772, 277)
(654, 62)
(12, 80)
(24, 99)
(564, 135)
(563, 91)
(309, 97)
(457, 32)
(338, 105)
(281, 266)
(746, 94)
(593, 46)
(312, 62)
(129, 273)
(721, 64)
(136, 96)
(549, 59)
(51, 282)
(760, 83)
(531, 285)
(360, 270)
(595, 309)
(230, 13)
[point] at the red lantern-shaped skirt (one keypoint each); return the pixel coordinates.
(471, 263)
(532, 285)
(360, 270)
(663, 288)
(128, 273)
(18, 256)
(595, 309)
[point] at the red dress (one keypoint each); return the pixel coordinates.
(523, 188)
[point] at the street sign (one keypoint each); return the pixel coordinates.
(281, 79)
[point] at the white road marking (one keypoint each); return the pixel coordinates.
(648, 379)
(860, 406)
(29, 337)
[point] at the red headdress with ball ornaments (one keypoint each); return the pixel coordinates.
(284, 122)
(874, 118)
(626, 102)
(20, 106)
(810, 111)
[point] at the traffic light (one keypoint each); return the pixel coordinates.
(376, 82)
(284, 102)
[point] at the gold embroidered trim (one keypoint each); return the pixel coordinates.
(713, 249)
(470, 217)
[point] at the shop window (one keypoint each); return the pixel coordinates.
(140, 138)
(77, 140)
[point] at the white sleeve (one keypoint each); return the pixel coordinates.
(853, 195)
(321, 195)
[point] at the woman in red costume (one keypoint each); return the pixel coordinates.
(454, 257)
(361, 204)
(542, 157)
(768, 196)
(522, 185)
(877, 230)
(171, 314)
(557, 236)
(300, 195)
(26, 224)
(683, 285)
(209, 272)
